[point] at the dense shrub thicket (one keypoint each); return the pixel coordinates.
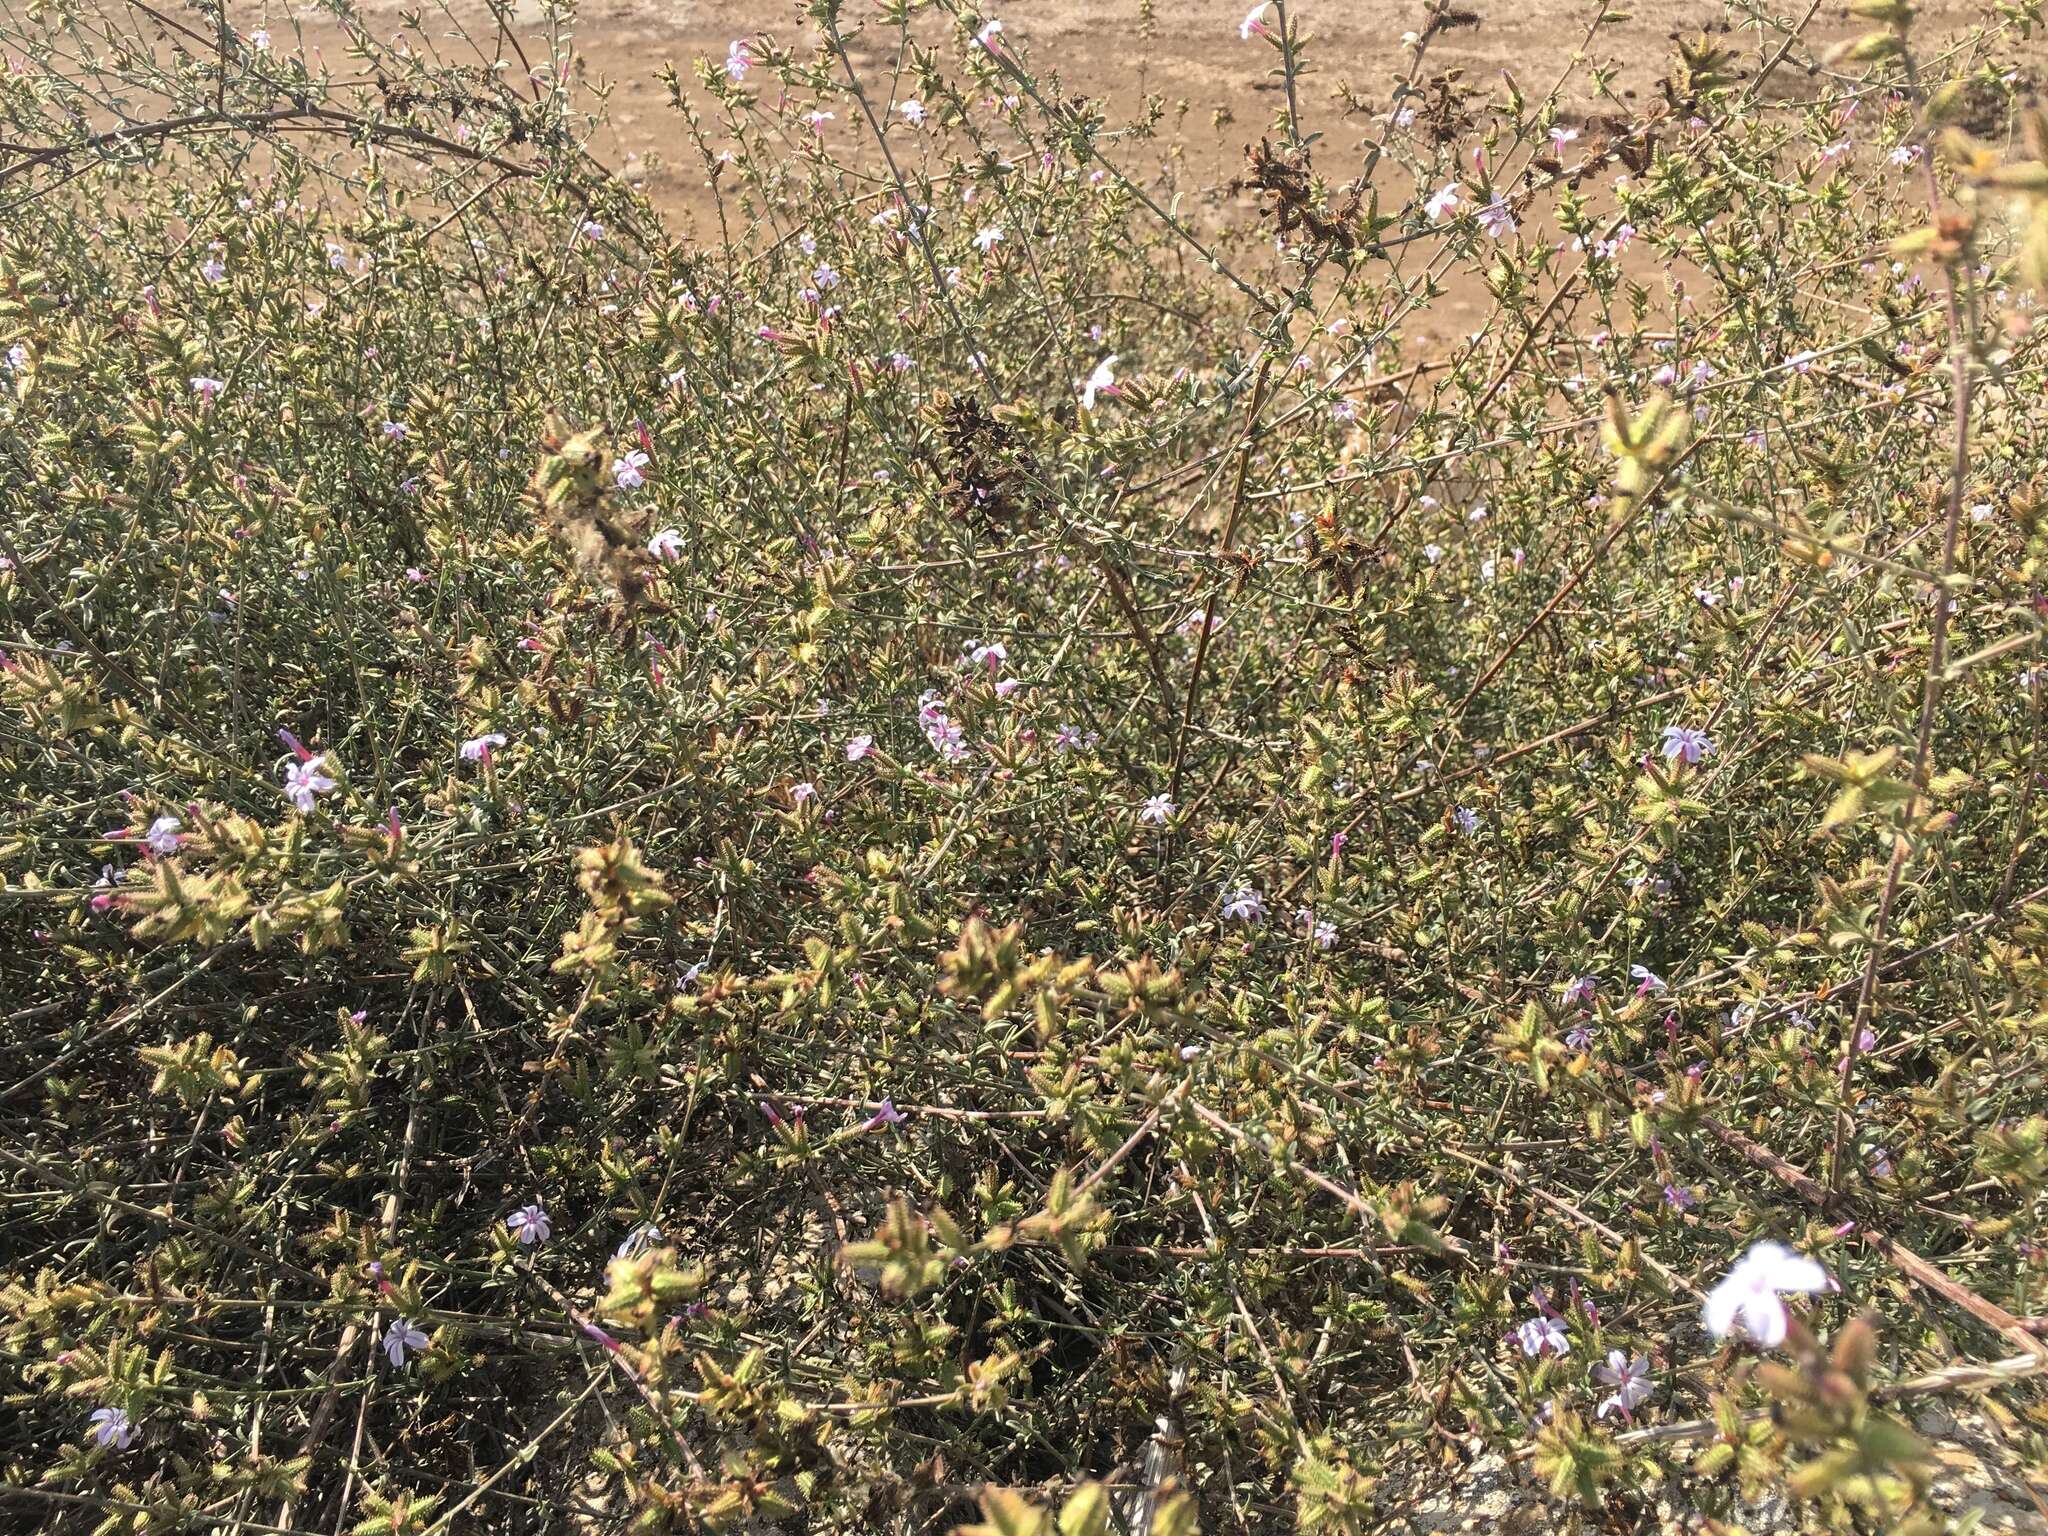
(991, 837)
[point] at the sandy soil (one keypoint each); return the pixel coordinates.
(1189, 52)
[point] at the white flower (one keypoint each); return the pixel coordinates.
(1559, 137)
(478, 748)
(1684, 742)
(1630, 1379)
(988, 237)
(638, 1240)
(402, 1335)
(630, 472)
(1254, 23)
(1244, 904)
(303, 780)
(1543, 1335)
(111, 1426)
(1157, 811)
(666, 545)
(162, 835)
(739, 58)
(1101, 381)
(988, 34)
(530, 1225)
(1442, 203)
(1750, 1294)
(260, 40)
(913, 112)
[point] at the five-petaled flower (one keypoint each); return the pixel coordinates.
(630, 470)
(397, 431)
(739, 58)
(1630, 1378)
(478, 748)
(1157, 811)
(666, 546)
(1442, 203)
(859, 747)
(112, 1426)
(164, 835)
(304, 779)
(1751, 1294)
(207, 389)
(988, 237)
(913, 112)
(886, 1114)
(401, 1336)
(1543, 1335)
(1244, 904)
(1683, 743)
(1646, 980)
(1497, 220)
(1467, 819)
(530, 1225)
(1101, 382)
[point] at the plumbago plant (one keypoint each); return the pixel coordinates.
(994, 856)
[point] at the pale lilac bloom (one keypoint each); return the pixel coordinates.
(478, 748)
(1244, 904)
(630, 471)
(1467, 819)
(1646, 980)
(530, 1225)
(1496, 219)
(913, 112)
(886, 1114)
(1157, 811)
(111, 1426)
(259, 40)
(1630, 1379)
(1323, 933)
(1750, 1296)
(1254, 23)
(1683, 742)
(638, 1241)
(401, 1336)
(991, 654)
(1678, 1197)
(396, 431)
(859, 747)
(1580, 1037)
(207, 389)
(1881, 1163)
(214, 270)
(666, 546)
(303, 780)
(163, 836)
(1101, 382)
(739, 58)
(988, 34)
(1559, 137)
(1580, 989)
(1543, 1335)
(1442, 203)
(802, 792)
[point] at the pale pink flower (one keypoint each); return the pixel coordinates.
(530, 1225)
(666, 546)
(1254, 23)
(1442, 203)
(739, 58)
(1630, 1379)
(164, 835)
(1157, 811)
(859, 747)
(1750, 1295)
(478, 748)
(304, 779)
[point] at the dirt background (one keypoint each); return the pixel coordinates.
(1189, 52)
